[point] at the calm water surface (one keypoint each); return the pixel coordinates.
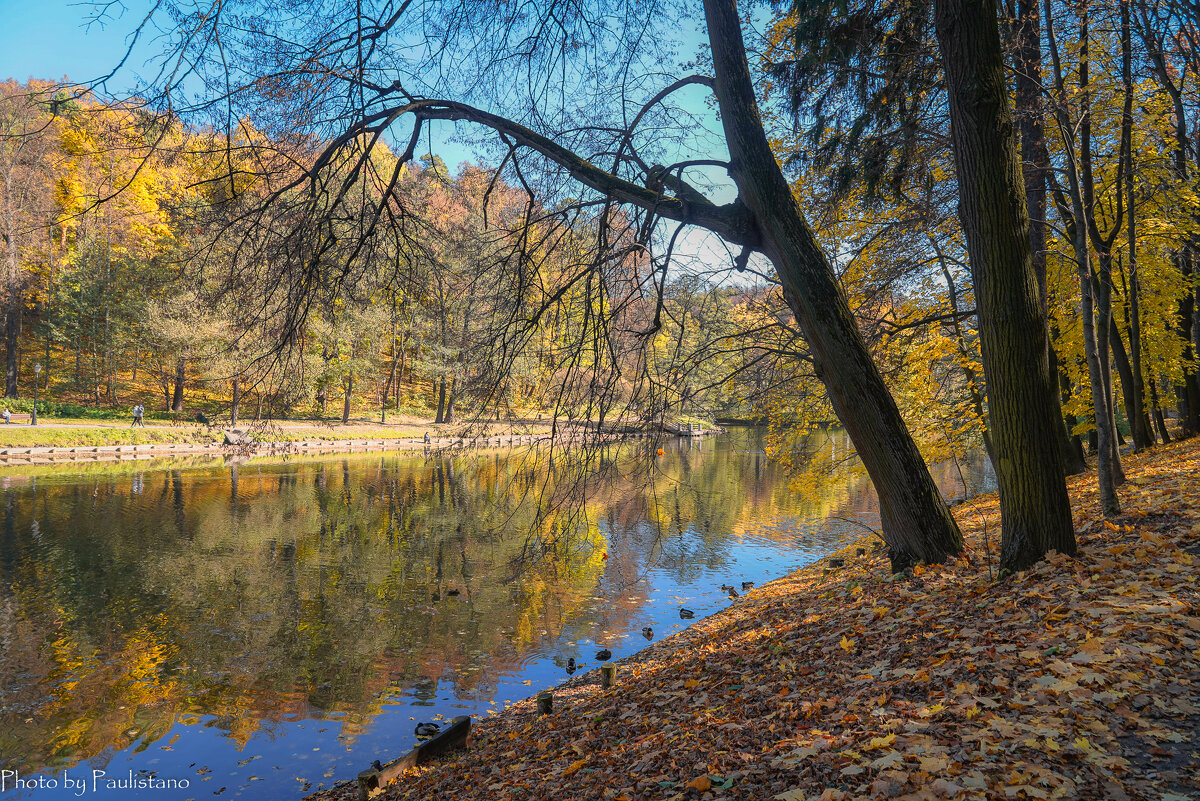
(265, 629)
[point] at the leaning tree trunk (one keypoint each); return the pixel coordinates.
(917, 525)
(1034, 510)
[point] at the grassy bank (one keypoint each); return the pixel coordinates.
(1077, 679)
(79, 432)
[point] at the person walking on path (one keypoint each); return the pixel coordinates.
(138, 411)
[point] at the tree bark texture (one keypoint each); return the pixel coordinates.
(1035, 160)
(917, 524)
(1034, 509)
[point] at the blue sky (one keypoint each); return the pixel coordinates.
(48, 40)
(53, 39)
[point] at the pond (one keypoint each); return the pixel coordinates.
(266, 628)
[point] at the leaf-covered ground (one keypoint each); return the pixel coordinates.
(1076, 679)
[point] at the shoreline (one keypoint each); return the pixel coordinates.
(1079, 678)
(248, 447)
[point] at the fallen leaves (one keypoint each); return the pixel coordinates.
(1079, 678)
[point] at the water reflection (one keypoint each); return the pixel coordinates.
(266, 627)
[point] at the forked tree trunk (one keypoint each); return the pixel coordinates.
(1034, 510)
(917, 525)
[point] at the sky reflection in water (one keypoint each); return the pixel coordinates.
(273, 627)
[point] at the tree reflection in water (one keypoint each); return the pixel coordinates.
(294, 605)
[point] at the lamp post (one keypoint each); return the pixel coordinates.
(37, 370)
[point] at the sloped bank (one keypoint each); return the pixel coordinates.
(1077, 679)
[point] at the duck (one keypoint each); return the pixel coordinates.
(726, 588)
(604, 654)
(424, 731)
(733, 593)
(747, 585)
(648, 632)
(686, 613)
(571, 665)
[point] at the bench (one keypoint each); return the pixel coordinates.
(18, 418)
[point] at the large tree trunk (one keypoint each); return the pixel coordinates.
(349, 384)
(1035, 160)
(1034, 510)
(917, 525)
(180, 377)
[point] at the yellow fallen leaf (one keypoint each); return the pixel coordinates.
(700, 784)
(847, 644)
(575, 766)
(691, 684)
(880, 742)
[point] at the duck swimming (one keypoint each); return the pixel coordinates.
(424, 731)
